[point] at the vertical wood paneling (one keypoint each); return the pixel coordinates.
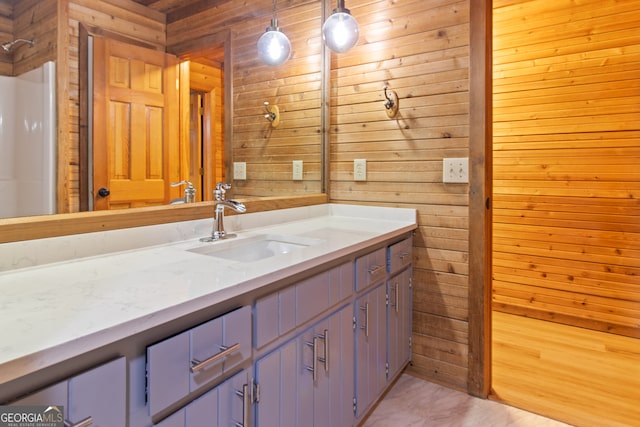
(421, 50)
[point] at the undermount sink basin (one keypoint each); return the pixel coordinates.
(254, 248)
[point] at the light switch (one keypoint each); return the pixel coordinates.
(239, 170)
(359, 169)
(455, 170)
(297, 170)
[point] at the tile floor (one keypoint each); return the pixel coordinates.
(413, 402)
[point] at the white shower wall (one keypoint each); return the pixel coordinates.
(28, 143)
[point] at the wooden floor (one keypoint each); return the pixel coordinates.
(578, 376)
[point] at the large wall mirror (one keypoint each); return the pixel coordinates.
(201, 38)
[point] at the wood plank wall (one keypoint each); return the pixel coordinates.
(419, 48)
(6, 34)
(117, 16)
(294, 87)
(32, 20)
(567, 162)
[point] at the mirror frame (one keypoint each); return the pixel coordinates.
(44, 226)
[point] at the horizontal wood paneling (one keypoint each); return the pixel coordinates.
(420, 49)
(6, 34)
(294, 87)
(566, 156)
(566, 235)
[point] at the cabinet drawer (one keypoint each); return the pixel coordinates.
(371, 268)
(98, 394)
(197, 357)
(400, 255)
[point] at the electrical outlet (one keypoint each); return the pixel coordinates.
(359, 169)
(455, 170)
(239, 170)
(297, 170)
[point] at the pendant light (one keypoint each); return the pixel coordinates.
(340, 31)
(274, 47)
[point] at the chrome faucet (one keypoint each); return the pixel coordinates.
(189, 193)
(219, 203)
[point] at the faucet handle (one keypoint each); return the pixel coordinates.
(177, 184)
(221, 189)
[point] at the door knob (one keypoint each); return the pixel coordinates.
(103, 192)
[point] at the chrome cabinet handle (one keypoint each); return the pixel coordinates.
(246, 403)
(366, 319)
(374, 269)
(403, 255)
(196, 365)
(325, 359)
(396, 291)
(84, 423)
(314, 363)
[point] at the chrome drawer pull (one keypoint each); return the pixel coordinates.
(84, 423)
(375, 269)
(196, 365)
(403, 255)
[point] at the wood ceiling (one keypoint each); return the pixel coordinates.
(179, 9)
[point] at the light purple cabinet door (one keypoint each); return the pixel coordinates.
(326, 398)
(176, 419)
(197, 357)
(341, 367)
(55, 395)
(371, 345)
(276, 375)
(399, 312)
(235, 401)
(205, 341)
(168, 365)
(371, 269)
(203, 412)
(312, 297)
(100, 394)
(237, 333)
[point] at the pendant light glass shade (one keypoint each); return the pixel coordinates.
(274, 47)
(340, 31)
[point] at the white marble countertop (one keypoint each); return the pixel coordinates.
(64, 296)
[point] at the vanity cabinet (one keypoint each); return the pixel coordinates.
(197, 357)
(281, 312)
(309, 379)
(399, 317)
(382, 320)
(399, 291)
(228, 404)
(96, 397)
(371, 346)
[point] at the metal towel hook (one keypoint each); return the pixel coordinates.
(272, 114)
(392, 102)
